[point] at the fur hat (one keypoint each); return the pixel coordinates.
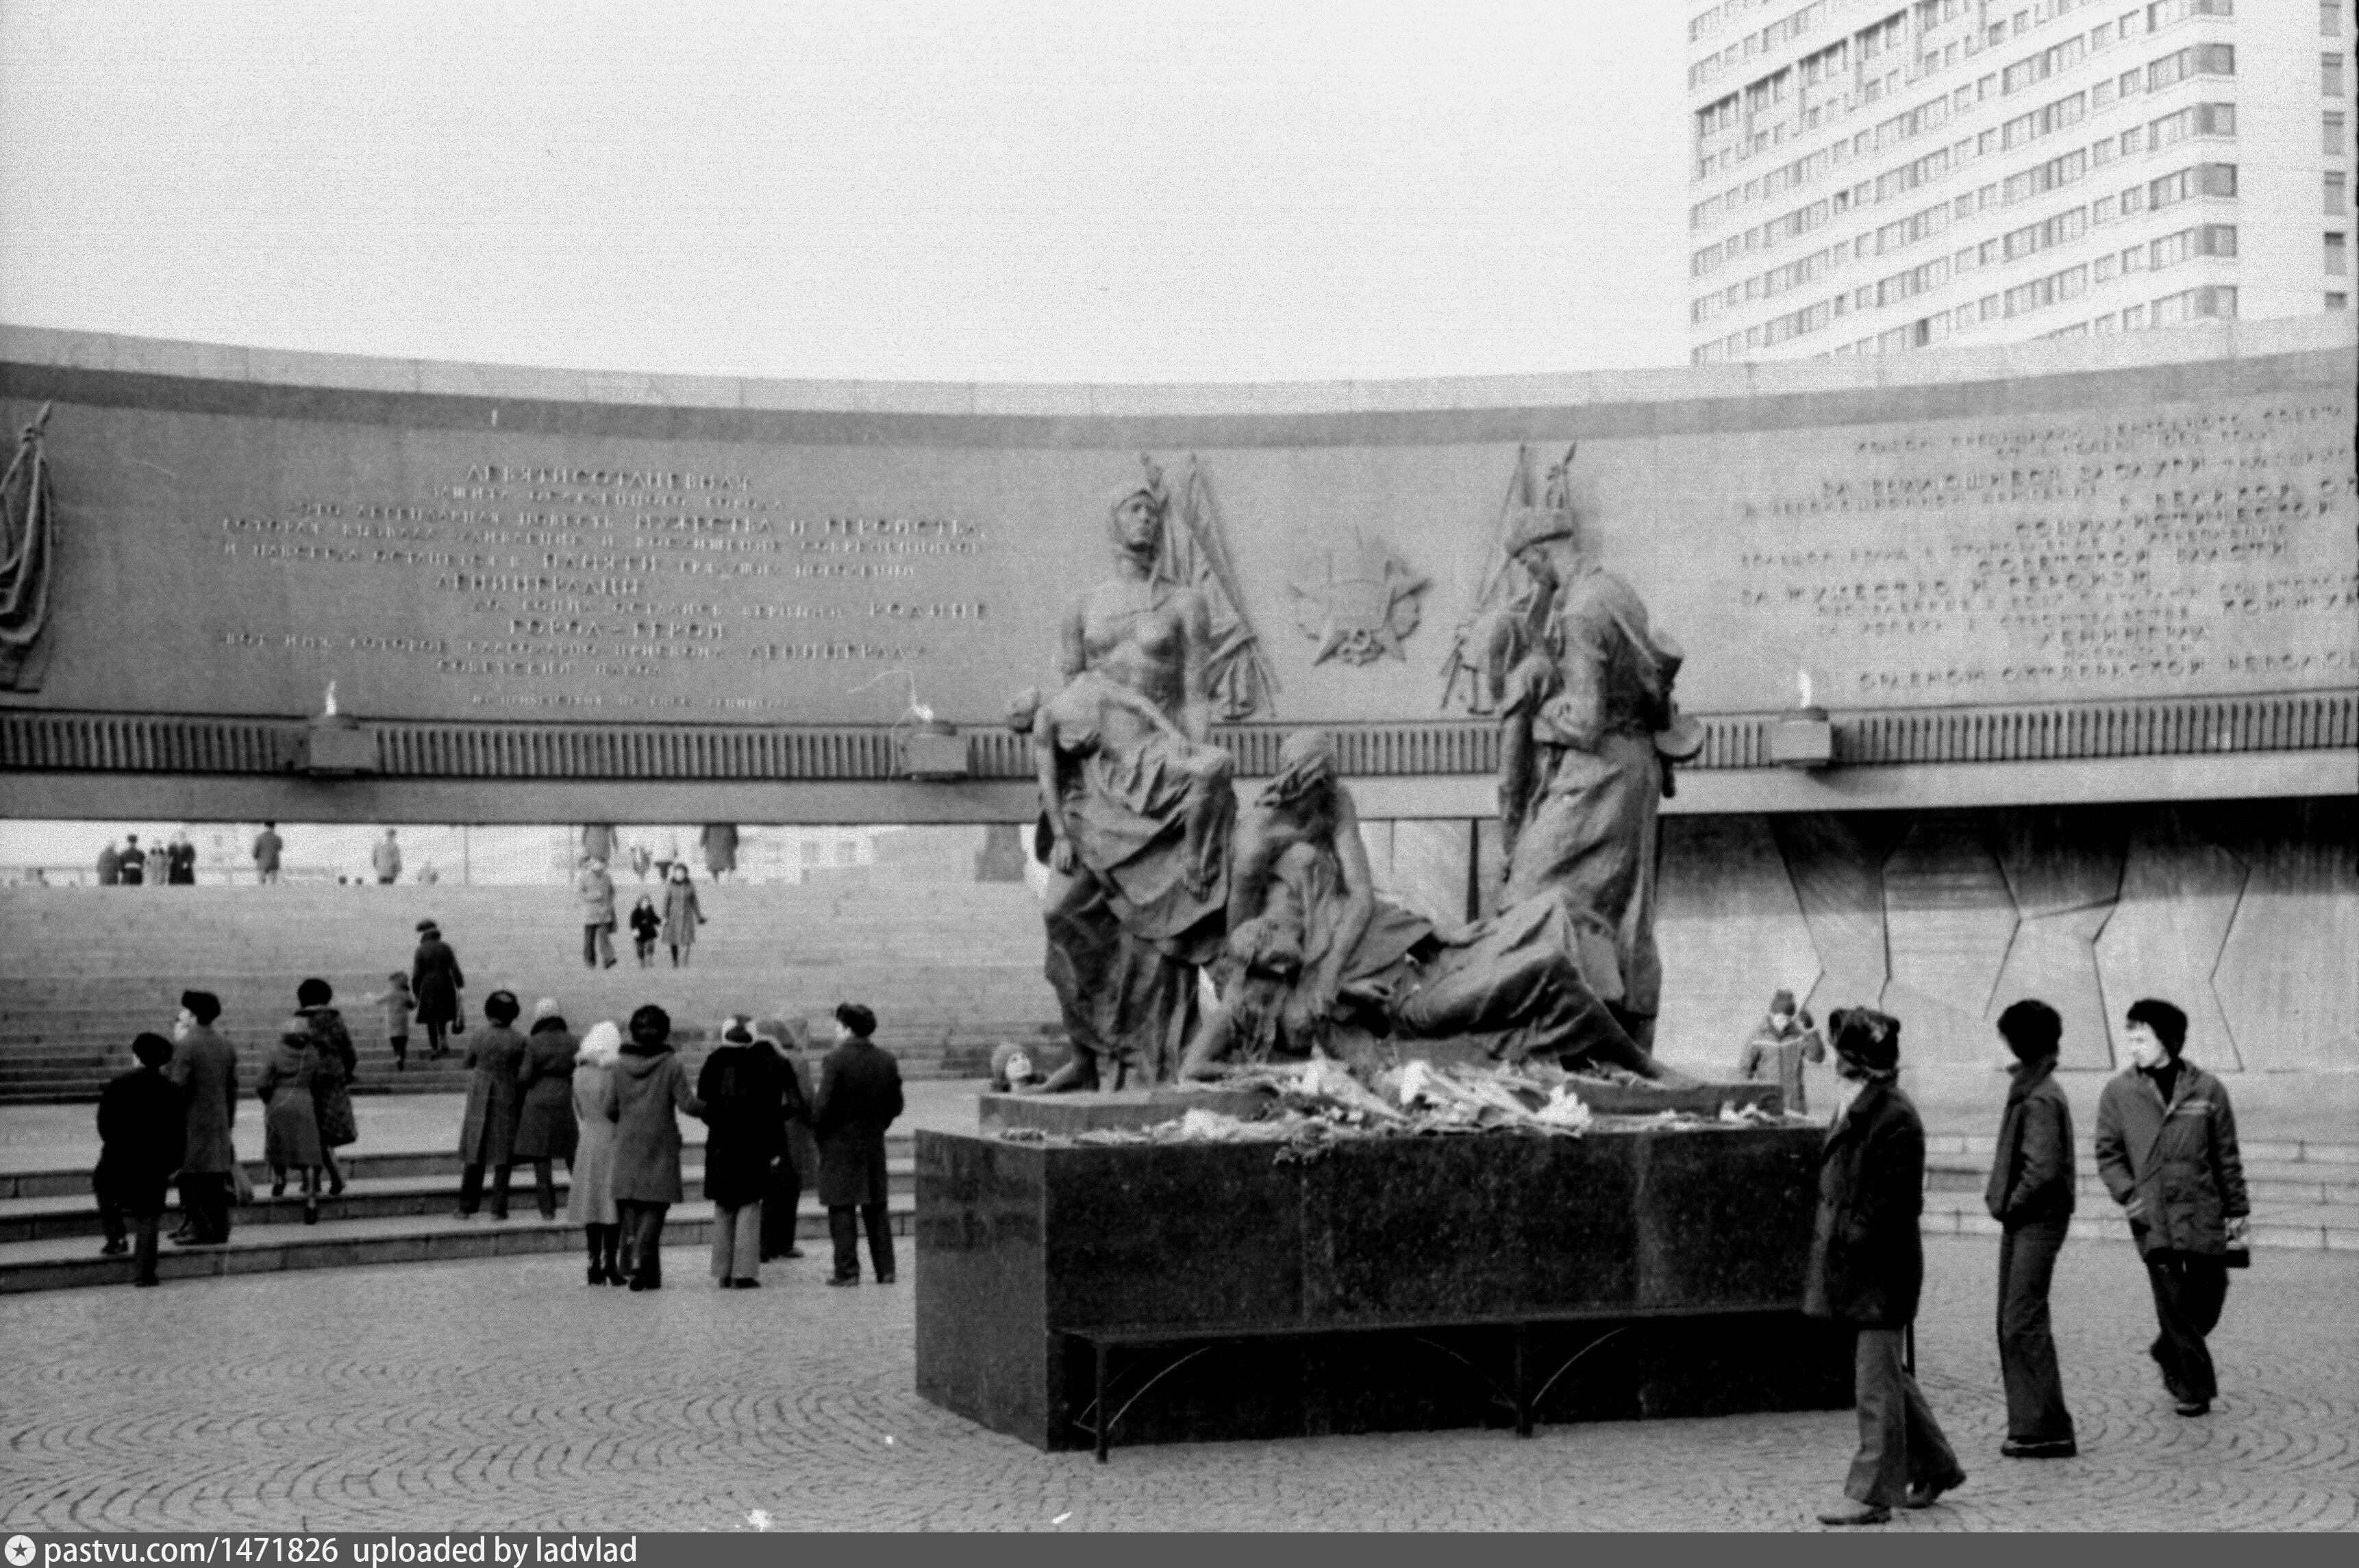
(1868, 1040)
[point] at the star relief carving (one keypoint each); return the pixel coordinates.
(1358, 601)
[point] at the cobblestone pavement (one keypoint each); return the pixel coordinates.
(505, 1394)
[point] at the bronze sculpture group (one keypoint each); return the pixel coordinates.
(1156, 874)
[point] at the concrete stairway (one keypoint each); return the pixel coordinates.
(396, 1208)
(950, 969)
(2304, 1194)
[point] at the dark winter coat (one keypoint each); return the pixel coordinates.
(2176, 1170)
(649, 1084)
(545, 1126)
(1868, 1263)
(2031, 1176)
(745, 1115)
(205, 1067)
(682, 914)
(331, 1090)
(859, 1096)
(436, 981)
(140, 1120)
(495, 1102)
(110, 867)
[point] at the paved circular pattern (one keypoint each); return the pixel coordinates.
(505, 1394)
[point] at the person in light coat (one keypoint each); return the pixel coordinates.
(591, 1204)
(593, 893)
(2167, 1150)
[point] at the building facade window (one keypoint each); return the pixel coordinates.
(2338, 302)
(2329, 75)
(2338, 259)
(2331, 130)
(2335, 202)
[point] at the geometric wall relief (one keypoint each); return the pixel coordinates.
(1835, 861)
(2288, 976)
(2063, 867)
(1949, 919)
(2178, 900)
(1731, 935)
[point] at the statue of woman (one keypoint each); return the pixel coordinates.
(1136, 805)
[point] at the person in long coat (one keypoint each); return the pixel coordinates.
(2167, 1150)
(590, 1202)
(1867, 1268)
(2030, 1195)
(131, 870)
(648, 1085)
(290, 1126)
(682, 914)
(435, 982)
(859, 1096)
(545, 1127)
(204, 1065)
(110, 865)
(141, 1123)
(331, 1084)
(798, 1157)
(494, 1103)
(745, 1115)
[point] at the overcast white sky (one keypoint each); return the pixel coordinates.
(988, 190)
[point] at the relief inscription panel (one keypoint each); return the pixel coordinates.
(229, 563)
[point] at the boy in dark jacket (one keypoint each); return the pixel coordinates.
(2167, 1150)
(2030, 1195)
(141, 1129)
(1867, 1265)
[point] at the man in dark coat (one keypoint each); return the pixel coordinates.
(435, 981)
(2030, 1195)
(1867, 1265)
(139, 1133)
(266, 848)
(204, 1066)
(132, 870)
(110, 865)
(744, 1115)
(2167, 1150)
(859, 1096)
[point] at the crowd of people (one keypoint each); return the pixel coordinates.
(2166, 1150)
(163, 863)
(605, 1102)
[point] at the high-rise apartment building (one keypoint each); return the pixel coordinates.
(1870, 177)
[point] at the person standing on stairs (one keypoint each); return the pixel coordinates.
(593, 893)
(494, 1105)
(646, 926)
(436, 981)
(545, 1127)
(290, 1126)
(744, 1112)
(204, 1065)
(331, 1087)
(140, 1125)
(590, 1202)
(682, 914)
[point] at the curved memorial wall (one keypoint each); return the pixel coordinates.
(2080, 616)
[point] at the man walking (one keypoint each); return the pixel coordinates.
(595, 891)
(386, 859)
(2167, 1150)
(267, 849)
(859, 1096)
(2030, 1195)
(1867, 1266)
(204, 1066)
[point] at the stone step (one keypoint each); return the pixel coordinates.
(45, 1219)
(2336, 1152)
(409, 1165)
(70, 1263)
(2303, 1227)
(2273, 1181)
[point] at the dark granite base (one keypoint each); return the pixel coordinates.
(1692, 1243)
(1102, 1110)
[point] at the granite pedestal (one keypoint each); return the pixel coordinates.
(1219, 1291)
